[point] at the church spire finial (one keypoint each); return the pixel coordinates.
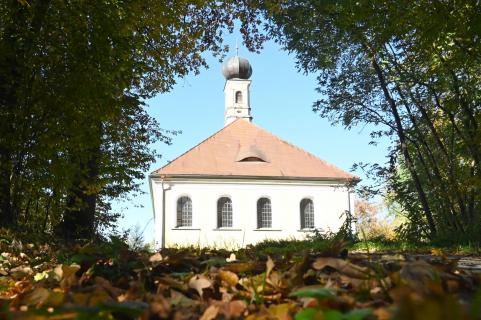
(236, 48)
(237, 72)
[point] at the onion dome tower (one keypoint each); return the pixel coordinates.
(237, 72)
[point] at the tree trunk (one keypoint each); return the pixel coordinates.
(404, 149)
(7, 217)
(79, 217)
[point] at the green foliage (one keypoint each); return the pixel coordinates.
(411, 71)
(308, 314)
(318, 293)
(267, 247)
(74, 77)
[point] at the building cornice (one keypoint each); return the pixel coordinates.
(210, 179)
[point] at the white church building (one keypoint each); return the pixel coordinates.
(243, 184)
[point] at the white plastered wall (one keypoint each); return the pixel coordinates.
(330, 201)
(235, 110)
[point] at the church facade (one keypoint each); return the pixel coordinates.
(243, 185)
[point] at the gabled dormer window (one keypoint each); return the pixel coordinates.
(252, 159)
(250, 153)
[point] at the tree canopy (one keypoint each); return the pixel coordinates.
(412, 69)
(74, 76)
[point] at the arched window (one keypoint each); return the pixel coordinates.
(184, 212)
(307, 214)
(224, 213)
(264, 213)
(238, 97)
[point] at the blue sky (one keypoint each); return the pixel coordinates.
(281, 102)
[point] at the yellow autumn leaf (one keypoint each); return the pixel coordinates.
(210, 313)
(229, 277)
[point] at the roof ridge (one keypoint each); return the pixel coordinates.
(301, 149)
(198, 144)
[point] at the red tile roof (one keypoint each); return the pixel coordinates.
(264, 155)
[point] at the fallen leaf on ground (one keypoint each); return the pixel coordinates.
(199, 283)
(344, 267)
(229, 277)
(210, 313)
(156, 258)
(231, 258)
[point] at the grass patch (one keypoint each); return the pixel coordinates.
(290, 246)
(401, 246)
(335, 246)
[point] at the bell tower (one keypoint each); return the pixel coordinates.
(237, 72)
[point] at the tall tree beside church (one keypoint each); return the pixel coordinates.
(74, 76)
(411, 68)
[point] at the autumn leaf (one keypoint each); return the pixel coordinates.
(199, 283)
(269, 266)
(210, 313)
(343, 267)
(67, 275)
(37, 297)
(229, 277)
(231, 258)
(156, 258)
(279, 287)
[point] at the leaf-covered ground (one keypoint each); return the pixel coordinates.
(109, 281)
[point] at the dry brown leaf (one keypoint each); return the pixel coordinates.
(281, 311)
(418, 274)
(277, 281)
(382, 314)
(99, 295)
(366, 284)
(234, 309)
(269, 266)
(159, 309)
(179, 300)
(210, 313)
(344, 267)
(231, 258)
(229, 277)
(200, 282)
(452, 286)
(167, 282)
(37, 297)
(58, 272)
(241, 267)
(107, 285)
(376, 293)
(156, 258)
(159, 305)
(69, 279)
(70, 270)
(80, 298)
(226, 296)
(20, 272)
